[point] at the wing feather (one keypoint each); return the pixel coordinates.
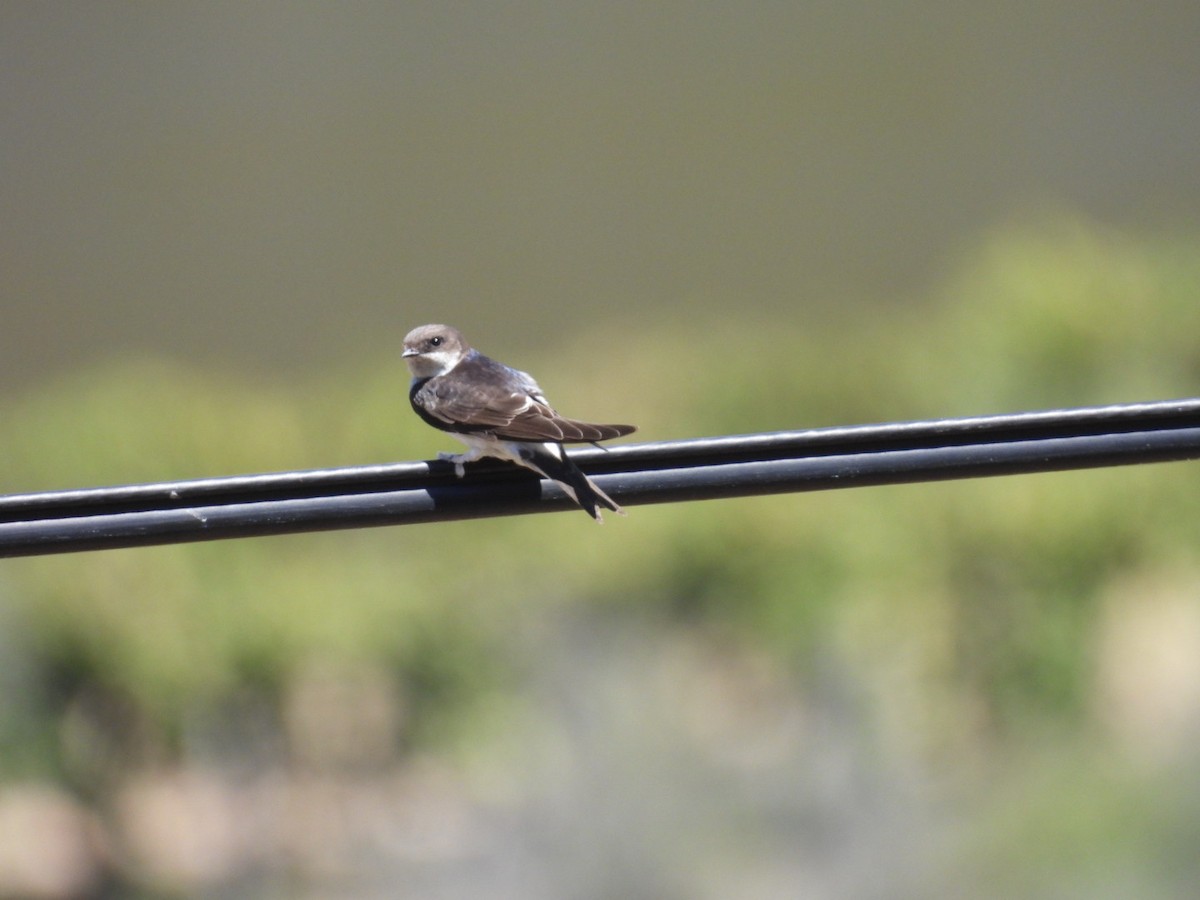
(490, 397)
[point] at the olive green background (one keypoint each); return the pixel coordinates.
(219, 220)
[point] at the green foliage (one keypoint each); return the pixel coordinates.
(968, 608)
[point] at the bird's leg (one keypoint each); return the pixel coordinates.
(461, 459)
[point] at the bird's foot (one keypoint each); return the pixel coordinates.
(459, 460)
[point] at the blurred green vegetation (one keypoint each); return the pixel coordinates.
(969, 611)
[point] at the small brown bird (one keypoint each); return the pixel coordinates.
(500, 412)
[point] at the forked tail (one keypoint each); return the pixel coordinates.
(559, 468)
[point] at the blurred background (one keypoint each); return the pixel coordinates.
(218, 220)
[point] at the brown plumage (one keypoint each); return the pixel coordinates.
(498, 411)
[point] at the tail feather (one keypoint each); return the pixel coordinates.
(560, 468)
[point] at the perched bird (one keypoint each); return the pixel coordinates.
(500, 412)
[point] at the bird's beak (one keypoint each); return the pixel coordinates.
(409, 351)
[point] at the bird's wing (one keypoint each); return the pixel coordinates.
(483, 395)
(472, 405)
(529, 386)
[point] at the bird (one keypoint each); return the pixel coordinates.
(499, 412)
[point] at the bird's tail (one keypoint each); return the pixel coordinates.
(551, 461)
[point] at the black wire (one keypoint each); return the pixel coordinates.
(671, 471)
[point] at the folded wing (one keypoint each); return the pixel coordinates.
(511, 407)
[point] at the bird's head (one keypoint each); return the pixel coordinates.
(433, 350)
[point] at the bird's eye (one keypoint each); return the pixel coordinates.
(435, 342)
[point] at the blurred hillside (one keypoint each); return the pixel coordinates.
(900, 690)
